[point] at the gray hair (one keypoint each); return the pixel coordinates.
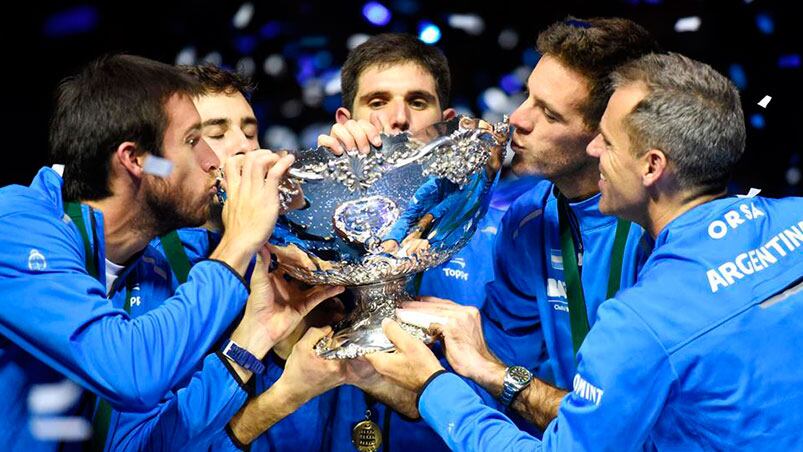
(691, 112)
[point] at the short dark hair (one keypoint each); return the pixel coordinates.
(216, 80)
(692, 113)
(388, 49)
(594, 48)
(114, 99)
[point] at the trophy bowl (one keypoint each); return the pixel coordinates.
(371, 221)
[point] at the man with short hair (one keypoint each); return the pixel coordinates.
(557, 257)
(200, 406)
(229, 124)
(391, 83)
(135, 167)
(689, 357)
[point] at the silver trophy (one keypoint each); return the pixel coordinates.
(369, 222)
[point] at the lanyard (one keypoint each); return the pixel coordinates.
(578, 316)
(176, 256)
(73, 210)
(102, 416)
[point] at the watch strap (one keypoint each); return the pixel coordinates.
(510, 387)
(242, 357)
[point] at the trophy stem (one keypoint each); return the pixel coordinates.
(361, 332)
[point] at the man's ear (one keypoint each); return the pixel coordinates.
(130, 159)
(654, 167)
(342, 115)
(449, 113)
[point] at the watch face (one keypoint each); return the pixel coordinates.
(519, 374)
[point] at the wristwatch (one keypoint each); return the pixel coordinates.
(243, 357)
(516, 379)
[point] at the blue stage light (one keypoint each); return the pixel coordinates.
(323, 59)
(245, 44)
(530, 58)
(510, 84)
(429, 32)
(305, 69)
(376, 13)
(270, 30)
(738, 76)
(757, 121)
(765, 24)
(790, 61)
(80, 19)
(332, 103)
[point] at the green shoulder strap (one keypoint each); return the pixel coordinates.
(73, 210)
(578, 314)
(176, 256)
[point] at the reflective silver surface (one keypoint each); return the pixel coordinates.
(370, 221)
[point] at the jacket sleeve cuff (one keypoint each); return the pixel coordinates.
(426, 385)
(236, 442)
(233, 372)
(234, 272)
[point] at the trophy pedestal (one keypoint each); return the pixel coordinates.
(361, 332)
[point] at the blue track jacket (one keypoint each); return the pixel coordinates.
(200, 406)
(463, 278)
(702, 353)
(57, 321)
(526, 313)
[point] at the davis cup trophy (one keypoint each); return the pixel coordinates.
(372, 221)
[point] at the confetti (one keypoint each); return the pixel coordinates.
(687, 24)
(750, 194)
(157, 166)
(766, 100)
(72, 428)
(53, 398)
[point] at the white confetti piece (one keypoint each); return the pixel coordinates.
(750, 194)
(71, 428)
(687, 24)
(157, 166)
(53, 398)
(766, 100)
(243, 16)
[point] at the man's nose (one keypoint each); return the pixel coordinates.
(206, 157)
(399, 116)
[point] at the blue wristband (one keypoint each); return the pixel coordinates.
(242, 357)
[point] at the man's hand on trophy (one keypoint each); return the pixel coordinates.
(360, 373)
(460, 328)
(390, 246)
(307, 375)
(292, 189)
(412, 244)
(291, 303)
(293, 256)
(351, 135)
(410, 365)
(328, 312)
(252, 206)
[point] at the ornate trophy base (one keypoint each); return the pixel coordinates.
(361, 333)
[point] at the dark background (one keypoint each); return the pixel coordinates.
(756, 43)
